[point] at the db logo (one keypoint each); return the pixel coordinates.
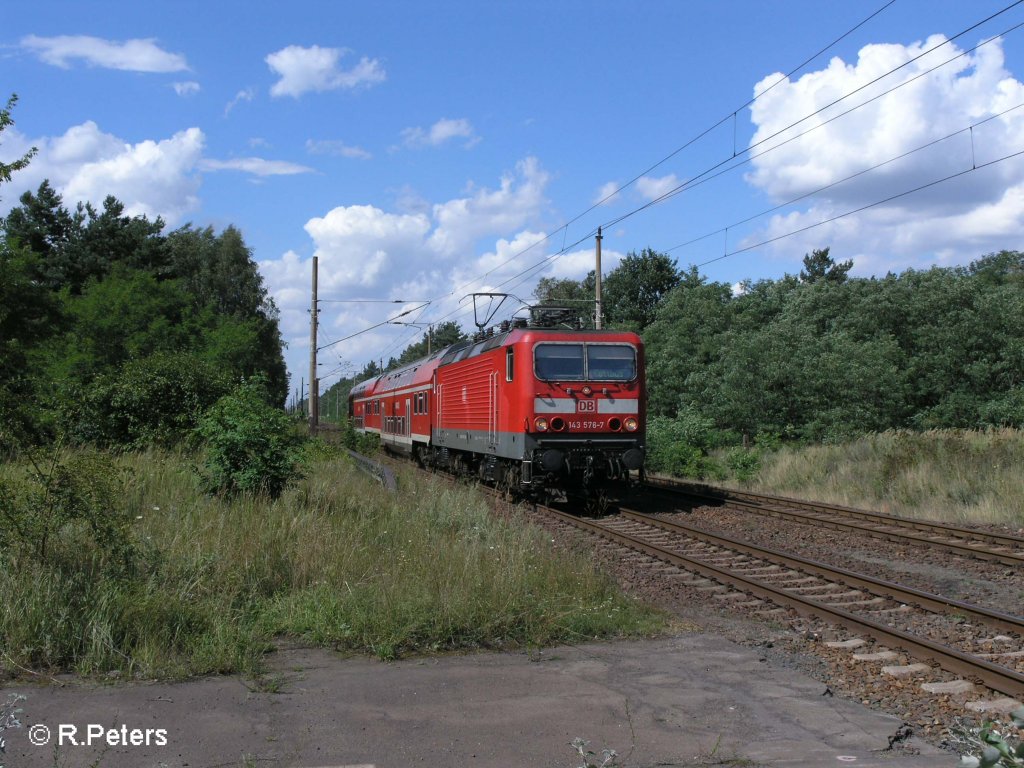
(586, 406)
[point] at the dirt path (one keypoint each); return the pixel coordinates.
(694, 699)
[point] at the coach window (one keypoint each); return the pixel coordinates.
(510, 363)
(558, 362)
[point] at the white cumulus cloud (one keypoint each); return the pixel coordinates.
(951, 222)
(462, 221)
(607, 194)
(154, 178)
(187, 88)
(448, 249)
(336, 147)
(360, 244)
(132, 55)
(442, 131)
(302, 70)
(576, 265)
(243, 95)
(651, 188)
(257, 166)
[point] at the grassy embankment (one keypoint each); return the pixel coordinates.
(951, 475)
(335, 561)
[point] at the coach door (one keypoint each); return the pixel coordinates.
(408, 419)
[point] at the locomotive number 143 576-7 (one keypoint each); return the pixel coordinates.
(586, 425)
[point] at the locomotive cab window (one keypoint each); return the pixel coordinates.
(510, 363)
(559, 362)
(584, 362)
(611, 362)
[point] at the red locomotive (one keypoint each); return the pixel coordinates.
(523, 406)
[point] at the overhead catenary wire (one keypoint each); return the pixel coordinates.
(974, 169)
(533, 269)
(968, 129)
(708, 174)
(696, 180)
(565, 226)
(372, 327)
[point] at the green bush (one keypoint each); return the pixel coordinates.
(250, 445)
(744, 463)
(679, 446)
(66, 513)
(156, 400)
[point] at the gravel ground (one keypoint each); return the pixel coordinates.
(783, 638)
(968, 579)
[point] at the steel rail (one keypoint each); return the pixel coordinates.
(880, 587)
(751, 502)
(994, 676)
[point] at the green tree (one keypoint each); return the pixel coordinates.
(221, 275)
(684, 338)
(633, 290)
(818, 265)
(110, 237)
(75, 248)
(155, 400)
(444, 335)
(29, 316)
(7, 170)
(43, 225)
(128, 315)
(575, 295)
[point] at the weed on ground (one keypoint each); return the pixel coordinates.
(212, 582)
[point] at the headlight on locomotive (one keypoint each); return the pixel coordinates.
(631, 424)
(542, 424)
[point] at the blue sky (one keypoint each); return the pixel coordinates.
(421, 149)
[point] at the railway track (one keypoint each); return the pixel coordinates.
(981, 545)
(929, 628)
(973, 644)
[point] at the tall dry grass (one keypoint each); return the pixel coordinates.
(949, 475)
(335, 561)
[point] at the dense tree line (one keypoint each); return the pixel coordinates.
(115, 332)
(823, 356)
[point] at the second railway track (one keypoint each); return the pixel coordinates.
(982, 545)
(927, 627)
(972, 644)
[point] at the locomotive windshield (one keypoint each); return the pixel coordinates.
(585, 362)
(611, 362)
(559, 362)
